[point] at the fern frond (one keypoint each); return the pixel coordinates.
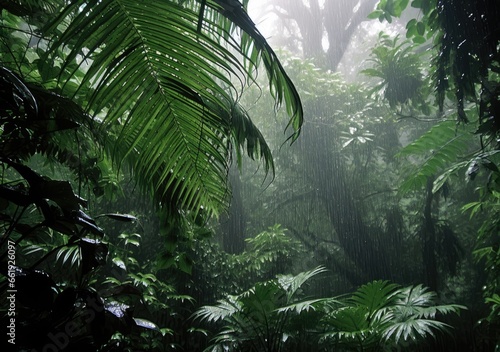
(446, 143)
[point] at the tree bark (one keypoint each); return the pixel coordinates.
(341, 22)
(430, 273)
(232, 224)
(337, 21)
(330, 178)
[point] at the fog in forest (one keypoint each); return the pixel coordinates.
(255, 176)
(351, 194)
(336, 190)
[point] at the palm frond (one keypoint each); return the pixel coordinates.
(414, 315)
(245, 135)
(224, 309)
(291, 284)
(257, 319)
(380, 313)
(161, 84)
(417, 301)
(375, 295)
(303, 306)
(349, 326)
(257, 50)
(261, 300)
(70, 256)
(413, 329)
(418, 296)
(349, 318)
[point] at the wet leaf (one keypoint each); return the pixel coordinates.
(122, 217)
(61, 193)
(132, 241)
(489, 165)
(185, 263)
(119, 263)
(118, 309)
(94, 254)
(87, 222)
(420, 28)
(146, 324)
(472, 170)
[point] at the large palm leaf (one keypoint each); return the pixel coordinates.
(163, 87)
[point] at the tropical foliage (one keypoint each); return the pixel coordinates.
(274, 316)
(92, 88)
(123, 129)
(267, 254)
(465, 63)
(380, 315)
(123, 61)
(347, 182)
(259, 319)
(398, 69)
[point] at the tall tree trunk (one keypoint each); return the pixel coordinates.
(430, 274)
(341, 22)
(232, 223)
(328, 173)
(337, 21)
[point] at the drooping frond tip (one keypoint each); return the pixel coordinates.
(256, 48)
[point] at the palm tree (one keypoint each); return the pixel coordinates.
(157, 80)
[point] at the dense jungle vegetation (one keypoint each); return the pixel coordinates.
(173, 179)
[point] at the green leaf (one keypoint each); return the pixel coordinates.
(146, 324)
(420, 28)
(418, 39)
(441, 179)
(293, 283)
(439, 149)
(375, 14)
(121, 217)
(169, 103)
(374, 295)
(474, 207)
(119, 263)
(132, 242)
(416, 4)
(185, 263)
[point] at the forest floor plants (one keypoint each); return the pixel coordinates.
(275, 316)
